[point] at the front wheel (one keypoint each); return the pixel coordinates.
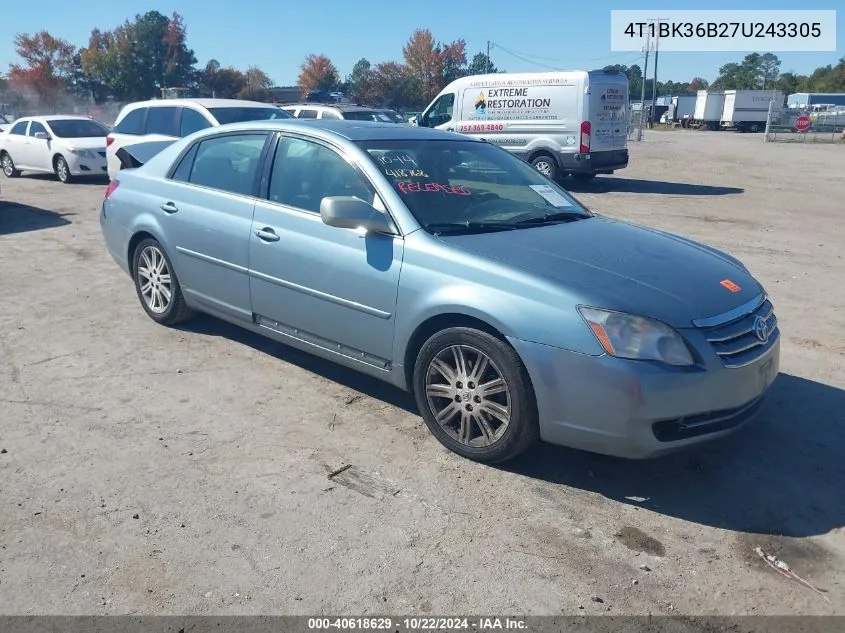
(475, 395)
(62, 170)
(9, 166)
(157, 285)
(546, 165)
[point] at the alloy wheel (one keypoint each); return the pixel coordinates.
(154, 279)
(468, 395)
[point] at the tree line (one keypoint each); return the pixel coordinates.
(137, 59)
(755, 72)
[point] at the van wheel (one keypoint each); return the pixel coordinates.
(581, 177)
(546, 165)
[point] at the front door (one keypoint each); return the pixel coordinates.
(206, 208)
(330, 287)
(441, 113)
(38, 154)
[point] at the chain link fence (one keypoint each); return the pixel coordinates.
(798, 125)
(636, 122)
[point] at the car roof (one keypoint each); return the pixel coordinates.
(206, 103)
(54, 117)
(349, 130)
(343, 107)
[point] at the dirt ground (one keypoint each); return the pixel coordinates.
(186, 471)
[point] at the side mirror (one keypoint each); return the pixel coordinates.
(347, 212)
(43, 136)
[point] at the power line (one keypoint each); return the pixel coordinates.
(524, 58)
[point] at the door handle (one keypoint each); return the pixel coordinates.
(450, 129)
(169, 207)
(267, 234)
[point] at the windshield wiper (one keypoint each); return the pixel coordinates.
(553, 218)
(468, 227)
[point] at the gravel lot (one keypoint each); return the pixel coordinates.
(152, 470)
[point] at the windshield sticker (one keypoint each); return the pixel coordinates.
(551, 196)
(406, 173)
(432, 187)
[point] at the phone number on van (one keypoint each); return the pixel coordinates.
(482, 127)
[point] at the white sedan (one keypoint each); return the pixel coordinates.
(66, 145)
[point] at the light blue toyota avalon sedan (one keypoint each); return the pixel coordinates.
(448, 267)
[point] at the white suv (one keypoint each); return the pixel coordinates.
(337, 111)
(168, 119)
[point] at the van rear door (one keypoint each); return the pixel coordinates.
(607, 111)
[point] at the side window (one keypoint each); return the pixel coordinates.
(228, 162)
(441, 110)
(162, 120)
(192, 121)
(35, 128)
(307, 114)
(305, 172)
(329, 114)
(133, 123)
(183, 171)
(19, 128)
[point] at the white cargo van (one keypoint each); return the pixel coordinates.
(572, 122)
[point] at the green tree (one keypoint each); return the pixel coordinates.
(135, 60)
(356, 82)
(256, 85)
(481, 65)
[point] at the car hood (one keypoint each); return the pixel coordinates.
(86, 142)
(625, 267)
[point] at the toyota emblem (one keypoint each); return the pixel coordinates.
(761, 329)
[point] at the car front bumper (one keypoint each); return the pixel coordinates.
(87, 165)
(637, 409)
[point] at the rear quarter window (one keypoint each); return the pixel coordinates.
(133, 123)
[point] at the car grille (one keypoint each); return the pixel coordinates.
(736, 343)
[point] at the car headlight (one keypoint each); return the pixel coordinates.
(84, 153)
(637, 338)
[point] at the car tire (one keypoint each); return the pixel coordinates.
(582, 177)
(486, 411)
(8, 166)
(62, 170)
(546, 165)
(154, 278)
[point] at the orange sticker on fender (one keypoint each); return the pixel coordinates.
(727, 283)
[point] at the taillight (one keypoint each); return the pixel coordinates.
(114, 184)
(109, 140)
(585, 138)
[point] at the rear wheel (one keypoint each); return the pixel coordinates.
(546, 165)
(475, 395)
(8, 166)
(62, 170)
(157, 285)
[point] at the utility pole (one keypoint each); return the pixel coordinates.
(656, 21)
(488, 58)
(642, 88)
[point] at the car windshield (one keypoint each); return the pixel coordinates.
(77, 128)
(242, 115)
(362, 115)
(468, 186)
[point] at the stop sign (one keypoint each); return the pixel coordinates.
(802, 123)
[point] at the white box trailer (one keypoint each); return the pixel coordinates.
(682, 106)
(747, 110)
(562, 122)
(708, 108)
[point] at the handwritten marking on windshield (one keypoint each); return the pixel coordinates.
(401, 158)
(431, 187)
(406, 173)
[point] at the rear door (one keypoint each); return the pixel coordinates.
(607, 112)
(15, 143)
(206, 209)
